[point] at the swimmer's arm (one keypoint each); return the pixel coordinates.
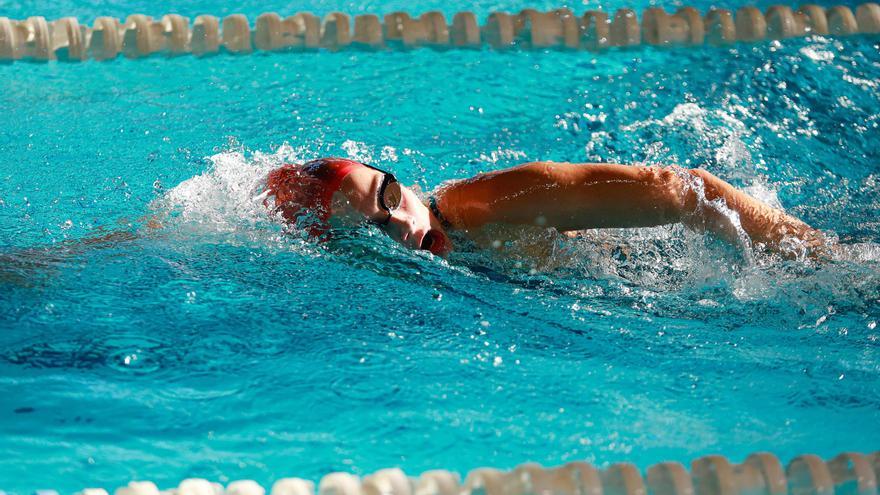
(571, 196)
(763, 223)
(22, 266)
(110, 238)
(67, 248)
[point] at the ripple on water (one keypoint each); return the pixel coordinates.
(234, 351)
(137, 355)
(125, 354)
(200, 386)
(358, 372)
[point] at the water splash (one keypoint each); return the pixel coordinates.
(226, 197)
(224, 204)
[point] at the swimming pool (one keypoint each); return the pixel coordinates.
(218, 347)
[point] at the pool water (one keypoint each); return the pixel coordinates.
(219, 346)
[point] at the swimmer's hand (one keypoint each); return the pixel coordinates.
(707, 198)
(579, 196)
(23, 266)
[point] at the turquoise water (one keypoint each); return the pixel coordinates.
(219, 347)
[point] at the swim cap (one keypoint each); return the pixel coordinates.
(308, 188)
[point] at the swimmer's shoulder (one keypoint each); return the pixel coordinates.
(467, 203)
(463, 204)
(479, 200)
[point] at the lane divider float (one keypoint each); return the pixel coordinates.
(761, 473)
(37, 39)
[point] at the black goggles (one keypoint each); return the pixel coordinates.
(388, 196)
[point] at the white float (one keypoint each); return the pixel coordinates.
(205, 38)
(437, 482)
(622, 479)
(868, 18)
(750, 24)
(669, 478)
(236, 34)
(336, 31)
(339, 484)
(841, 21)
(465, 32)
(625, 29)
(293, 486)
(175, 28)
(368, 31)
(138, 488)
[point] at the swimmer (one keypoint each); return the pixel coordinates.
(568, 197)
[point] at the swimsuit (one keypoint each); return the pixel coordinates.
(432, 204)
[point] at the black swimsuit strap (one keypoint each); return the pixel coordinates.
(432, 204)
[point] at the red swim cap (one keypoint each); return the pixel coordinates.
(308, 187)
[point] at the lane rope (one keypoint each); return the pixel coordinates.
(37, 39)
(759, 474)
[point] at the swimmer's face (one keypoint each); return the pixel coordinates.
(410, 223)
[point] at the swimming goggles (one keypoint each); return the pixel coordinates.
(388, 196)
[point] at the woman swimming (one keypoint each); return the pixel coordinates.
(565, 196)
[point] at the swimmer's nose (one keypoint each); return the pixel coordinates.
(404, 226)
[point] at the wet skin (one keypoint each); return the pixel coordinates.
(578, 196)
(409, 224)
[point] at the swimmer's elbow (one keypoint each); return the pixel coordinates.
(672, 191)
(682, 184)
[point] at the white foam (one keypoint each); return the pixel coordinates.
(859, 252)
(358, 151)
(817, 53)
(226, 195)
(707, 134)
(225, 203)
(228, 198)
